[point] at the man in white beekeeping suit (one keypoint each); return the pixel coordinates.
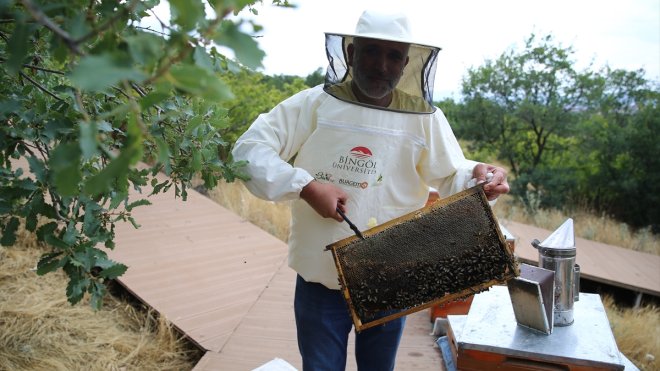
(369, 143)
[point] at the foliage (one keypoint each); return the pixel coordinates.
(86, 94)
(315, 78)
(255, 93)
(619, 150)
(568, 137)
(522, 106)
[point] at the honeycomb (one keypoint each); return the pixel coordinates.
(445, 251)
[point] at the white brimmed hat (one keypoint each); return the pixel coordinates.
(385, 26)
(418, 75)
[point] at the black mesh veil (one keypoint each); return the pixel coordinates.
(418, 75)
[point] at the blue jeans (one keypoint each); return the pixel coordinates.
(323, 322)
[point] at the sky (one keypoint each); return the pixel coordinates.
(620, 34)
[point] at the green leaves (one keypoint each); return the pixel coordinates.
(78, 265)
(113, 270)
(137, 203)
(114, 174)
(245, 47)
(187, 14)
(99, 72)
(77, 287)
(199, 81)
(65, 168)
(567, 136)
(88, 141)
(18, 47)
(50, 262)
(146, 49)
(9, 232)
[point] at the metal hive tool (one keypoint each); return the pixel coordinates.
(442, 252)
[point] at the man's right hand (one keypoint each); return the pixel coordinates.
(325, 199)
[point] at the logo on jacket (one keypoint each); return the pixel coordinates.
(353, 184)
(357, 161)
(361, 152)
(324, 176)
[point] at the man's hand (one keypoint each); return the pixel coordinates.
(325, 199)
(497, 185)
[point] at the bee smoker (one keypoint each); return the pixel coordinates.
(557, 253)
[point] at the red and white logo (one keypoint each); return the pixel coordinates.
(359, 160)
(361, 152)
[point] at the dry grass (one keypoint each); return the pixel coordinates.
(637, 333)
(40, 330)
(586, 225)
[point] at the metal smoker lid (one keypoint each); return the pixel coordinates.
(560, 242)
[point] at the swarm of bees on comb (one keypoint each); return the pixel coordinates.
(442, 252)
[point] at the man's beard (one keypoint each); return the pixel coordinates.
(375, 89)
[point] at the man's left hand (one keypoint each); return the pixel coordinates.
(497, 184)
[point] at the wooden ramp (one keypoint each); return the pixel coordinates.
(225, 284)
(268, 331)
(612, 265)
(197, 264)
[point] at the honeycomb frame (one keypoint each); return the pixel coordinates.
(380, 281)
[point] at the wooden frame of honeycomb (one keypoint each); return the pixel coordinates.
(442, 252)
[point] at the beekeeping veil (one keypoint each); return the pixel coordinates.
(418, 75)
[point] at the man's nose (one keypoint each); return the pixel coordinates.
(382, 64)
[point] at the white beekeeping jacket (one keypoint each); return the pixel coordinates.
(384, 160)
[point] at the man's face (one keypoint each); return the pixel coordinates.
(377, 68)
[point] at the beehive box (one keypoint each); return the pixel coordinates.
(442, 252)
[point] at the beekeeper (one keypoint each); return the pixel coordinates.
(370, 143)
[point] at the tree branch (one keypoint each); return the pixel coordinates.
(41, 87)
(121, 92)
(31, 66)
(152, 30)
(40, 17)
(82, 107)
(138, 89)
(108, 23)
(184, 52)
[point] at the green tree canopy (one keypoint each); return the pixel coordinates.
(523, 104)
(315, 78)
(617, 150)
(255, 93)
(569, 137)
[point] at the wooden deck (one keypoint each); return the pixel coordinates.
(268, 331)
(199, 265)
(225, 284)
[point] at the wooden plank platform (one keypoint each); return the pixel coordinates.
(268, 331)
(225, 284)
(612, 265)
(197, 264)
